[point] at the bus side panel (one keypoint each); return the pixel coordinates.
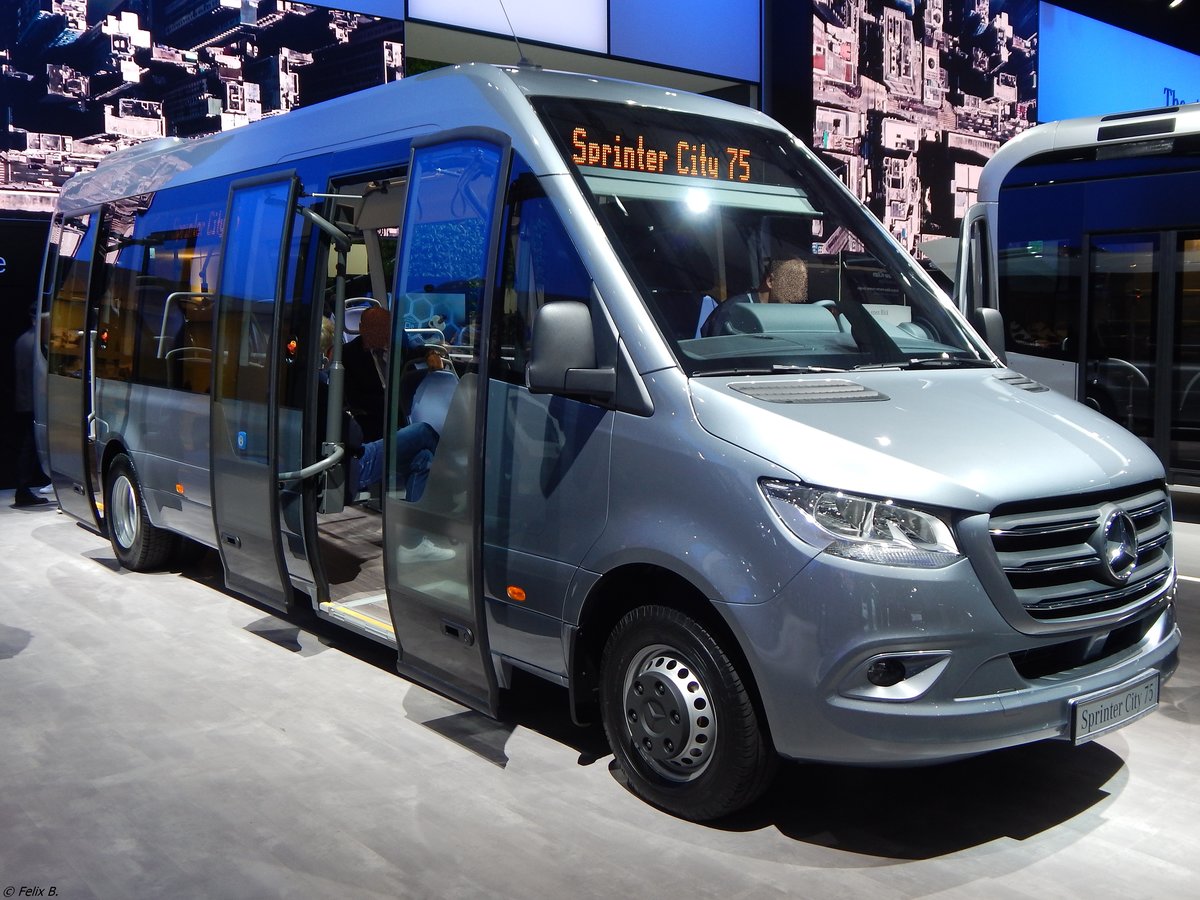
(167, 435)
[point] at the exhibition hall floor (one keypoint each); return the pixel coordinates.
(160, 737)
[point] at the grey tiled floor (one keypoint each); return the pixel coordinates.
(160, 738)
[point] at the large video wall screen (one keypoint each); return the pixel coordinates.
(910, 100)
(1089, 68)
(582, 24)
(721, 37)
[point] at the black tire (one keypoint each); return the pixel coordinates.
(679, 718)
(139, 546)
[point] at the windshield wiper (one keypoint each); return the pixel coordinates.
(772, 370)
(942, 362)
(935, 362)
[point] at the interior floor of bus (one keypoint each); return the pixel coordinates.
(352, 551)
(351, 543)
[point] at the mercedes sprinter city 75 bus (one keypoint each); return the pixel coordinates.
(510, 369)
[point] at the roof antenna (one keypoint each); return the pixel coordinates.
(524, 60)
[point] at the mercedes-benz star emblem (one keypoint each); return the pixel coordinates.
(1120, 546)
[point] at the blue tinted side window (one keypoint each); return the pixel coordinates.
(539, 265)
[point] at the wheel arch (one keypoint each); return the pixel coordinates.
(112, 448)
(617, 593)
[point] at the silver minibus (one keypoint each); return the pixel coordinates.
(615, 385)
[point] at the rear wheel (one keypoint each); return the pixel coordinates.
(679, 718)
(139, 545)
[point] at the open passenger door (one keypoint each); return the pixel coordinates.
(250, 298)
(431, 507)
(71, 374)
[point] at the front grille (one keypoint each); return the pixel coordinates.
(1054, 556)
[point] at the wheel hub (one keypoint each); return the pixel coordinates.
(123, 515)
(669, 715)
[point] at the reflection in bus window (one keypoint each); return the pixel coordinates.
(117, 318)
(540, 266)
(68, 320)
(443, 271)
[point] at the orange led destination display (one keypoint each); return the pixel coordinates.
(622, 137)
(686, 156)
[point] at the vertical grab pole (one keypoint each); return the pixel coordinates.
(337, 372)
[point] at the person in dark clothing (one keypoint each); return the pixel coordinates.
(29, 471)
(365, 362)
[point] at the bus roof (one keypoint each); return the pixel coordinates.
(1092, 131)
(468, 94)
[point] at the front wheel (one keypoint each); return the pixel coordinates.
(139, 545)
(679, 718)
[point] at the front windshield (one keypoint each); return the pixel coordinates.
(748, 254)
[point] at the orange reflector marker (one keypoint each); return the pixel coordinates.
(179, 489)
(516, 593)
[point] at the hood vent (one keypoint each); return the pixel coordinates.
(1017, 380)
(829, 390)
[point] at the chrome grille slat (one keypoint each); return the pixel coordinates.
(1156, 543)
(1108, 596)
(1035, 531)
(1052, 558)
(1035, 568)
(1156, 509)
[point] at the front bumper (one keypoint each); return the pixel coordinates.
(809, 649)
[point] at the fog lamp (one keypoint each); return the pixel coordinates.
(885, 672)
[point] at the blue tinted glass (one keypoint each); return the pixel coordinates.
(251, 267)
(448, 224)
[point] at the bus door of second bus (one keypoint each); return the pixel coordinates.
(1141, 362)
(432, 530)
(250, 297)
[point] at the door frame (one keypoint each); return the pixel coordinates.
(1160, 377)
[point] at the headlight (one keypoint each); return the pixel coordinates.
(862, 528)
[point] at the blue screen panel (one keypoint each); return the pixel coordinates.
(720, 37)
(577, 23)
(1089, 68)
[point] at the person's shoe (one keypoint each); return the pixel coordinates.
(426, 551)
(26, 497)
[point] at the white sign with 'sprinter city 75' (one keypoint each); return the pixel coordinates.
(1096, 714)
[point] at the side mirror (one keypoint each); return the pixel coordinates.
(990, 325)
(562, 358)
